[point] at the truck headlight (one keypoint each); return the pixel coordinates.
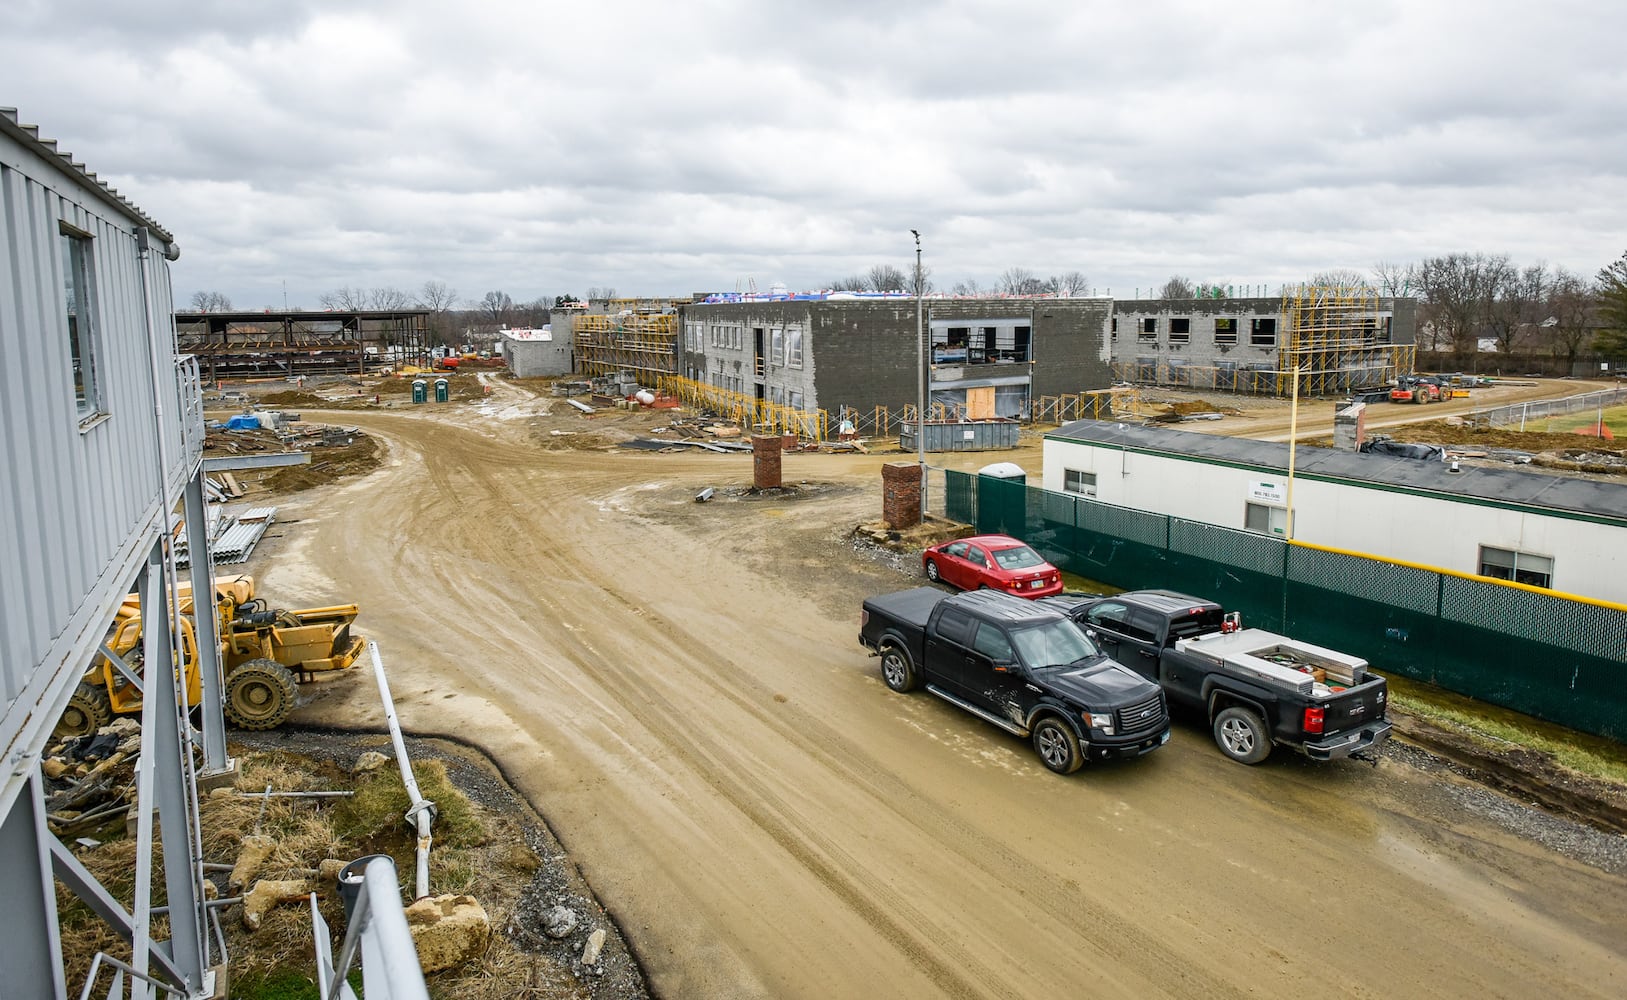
(1099, 720)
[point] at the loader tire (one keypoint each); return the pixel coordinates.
(259, 695)
(88, 710)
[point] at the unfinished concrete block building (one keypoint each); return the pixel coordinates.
(987, 357)
(1339, 338)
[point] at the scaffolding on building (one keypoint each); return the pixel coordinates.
(751, 414)
(1333, 337)
(645, 344)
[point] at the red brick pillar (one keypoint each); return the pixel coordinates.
(765, 461)
(901, 494)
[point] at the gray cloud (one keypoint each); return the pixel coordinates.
(668, 148)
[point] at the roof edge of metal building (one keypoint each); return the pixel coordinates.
(29, 135)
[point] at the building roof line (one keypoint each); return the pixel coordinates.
(29, 135)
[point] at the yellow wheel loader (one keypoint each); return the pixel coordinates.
(265, 654)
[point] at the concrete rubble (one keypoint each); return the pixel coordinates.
(448, 930)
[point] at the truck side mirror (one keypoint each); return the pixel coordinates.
(1005, 666)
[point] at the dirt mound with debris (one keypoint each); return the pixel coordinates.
(360, 457)
(292, 397)
(488, 845)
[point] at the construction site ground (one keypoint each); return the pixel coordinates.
(678, 689)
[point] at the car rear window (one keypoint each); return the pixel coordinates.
(1021, 557)
(1186, 626)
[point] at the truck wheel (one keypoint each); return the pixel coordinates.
(88, 710)
(897, 672)
(1058, 748)
(1242, 736)
(932, 572)
(259, 694)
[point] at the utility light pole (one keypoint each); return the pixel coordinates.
(920, 373)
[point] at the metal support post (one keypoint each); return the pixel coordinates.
(164, 782)
(206, 628)
(30, 946)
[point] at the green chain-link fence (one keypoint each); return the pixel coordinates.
(1542, 654)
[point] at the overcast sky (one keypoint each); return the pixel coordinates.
(663, 148)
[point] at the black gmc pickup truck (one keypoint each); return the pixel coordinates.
(1256, 688)
(1023, 667)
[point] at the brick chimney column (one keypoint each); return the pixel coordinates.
(765, 461)
(901, 494)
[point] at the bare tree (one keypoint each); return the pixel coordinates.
(1019, 281)
(1458, 289)
(966, 286)
(1340, 278)
(437, 297)
(1068, 284)
(886, 278)
(851, 283)
(206, 302)
(1570, 313)
(1518, 303)
(1395, 280)
(596, 293)
(345, 299)
(388, 299)
(1178, 287)
(496, 307)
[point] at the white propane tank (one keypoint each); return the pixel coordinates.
(644, 396)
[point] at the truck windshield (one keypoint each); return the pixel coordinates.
(1052, 644)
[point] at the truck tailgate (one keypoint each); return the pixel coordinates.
(1356, 707)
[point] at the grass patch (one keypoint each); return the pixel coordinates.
(1593, 756)
(377, 809)
(1615, 418)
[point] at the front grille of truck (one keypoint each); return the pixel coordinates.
(1141, 717)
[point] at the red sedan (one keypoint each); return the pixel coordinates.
(998, 562)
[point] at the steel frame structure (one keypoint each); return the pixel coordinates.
(645, 344)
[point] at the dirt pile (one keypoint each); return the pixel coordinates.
(360, 457)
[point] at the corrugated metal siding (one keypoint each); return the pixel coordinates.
(75, 499)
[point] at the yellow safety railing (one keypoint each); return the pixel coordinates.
(751, 413)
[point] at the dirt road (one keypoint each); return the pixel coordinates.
(678, 688)
(1271, 419)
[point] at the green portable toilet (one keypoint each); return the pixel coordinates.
(420, 390)
(441, 392)
(1002, 496)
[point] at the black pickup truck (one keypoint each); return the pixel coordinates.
(1023, 667)
(1256, 688)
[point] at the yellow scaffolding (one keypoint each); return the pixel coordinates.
(1333, 337)
(752, 414)
(642, 343)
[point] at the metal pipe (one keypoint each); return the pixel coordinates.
(421, 813)
(295, 795)
(920, 373)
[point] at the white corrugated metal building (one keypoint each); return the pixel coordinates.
(101, 431)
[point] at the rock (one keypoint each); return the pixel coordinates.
(591, 950)
(369, 762)
(250, 856)
(54, 767)
(448, 930)
(268, 893)
(559, 922)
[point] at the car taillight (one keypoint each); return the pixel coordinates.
(1314, 719)
(864, 618)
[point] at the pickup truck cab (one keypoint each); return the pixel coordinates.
(1256, 688)
(1018, 665)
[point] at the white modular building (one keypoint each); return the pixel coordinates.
(1562, 533)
